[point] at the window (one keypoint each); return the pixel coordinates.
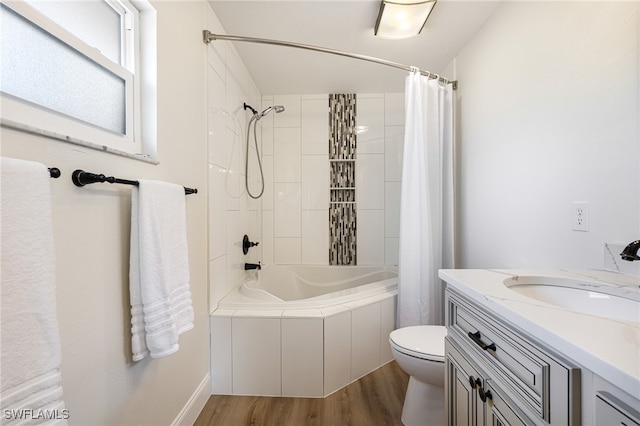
(77, 69)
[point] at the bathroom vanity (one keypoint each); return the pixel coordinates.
(531, 347)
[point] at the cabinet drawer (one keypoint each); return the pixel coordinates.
(531, 374)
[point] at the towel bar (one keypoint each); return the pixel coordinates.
(54, 172)
(82, 178)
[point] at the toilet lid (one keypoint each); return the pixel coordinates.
(421, 341)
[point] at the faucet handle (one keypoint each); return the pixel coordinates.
(246, 244)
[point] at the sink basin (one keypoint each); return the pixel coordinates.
(588, 297)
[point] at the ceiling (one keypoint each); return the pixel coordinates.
(345, 25)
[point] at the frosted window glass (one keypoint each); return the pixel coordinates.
(41, 69)
(93, 21)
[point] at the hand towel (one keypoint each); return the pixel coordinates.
(30, 340)
(160, 293)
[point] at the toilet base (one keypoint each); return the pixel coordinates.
(423, 404)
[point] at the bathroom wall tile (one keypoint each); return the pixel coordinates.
(290, 117)
(256, 356)
(387, 325)
(267, 169)
(370, 124)
(394, 109)
(302, 357)
(265, 127)
(315, 182)
(370, 181)
(221, 356)
(287, 209)
(392, 209)
(286, 153)
(267, 248)
(234, 183)
(391, 246)
(217, 212)
(365, 340)
(287, 251)
(315, 237)
(216, 117)
(315, 125)
(370, 237)
(236, 228)
(337, 352)
(219, 284)
(394, 144)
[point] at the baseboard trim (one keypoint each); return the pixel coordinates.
(195, 404)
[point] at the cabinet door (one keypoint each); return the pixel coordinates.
(471, 399)
(498, 412)
(464, 407)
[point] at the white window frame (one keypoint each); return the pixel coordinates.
(138, 70)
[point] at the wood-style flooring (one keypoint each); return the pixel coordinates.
(374, 400)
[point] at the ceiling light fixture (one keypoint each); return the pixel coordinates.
(402, 18)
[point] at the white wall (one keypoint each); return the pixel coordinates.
(548, 113)
(296, 164)
(102, 386)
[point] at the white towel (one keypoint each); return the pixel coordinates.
(30, 360)
(161, 307)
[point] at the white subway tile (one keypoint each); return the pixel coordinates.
(392, 209)
(394, 145)
(256, 356)
(315, 182)
(370, 181)
(286, 154)
(315, 126)
(370, 237)
(302, 357)
(394, 109)
(315, 237)
(287, 209)
(370, 124)
(287, 251)
(217, 212)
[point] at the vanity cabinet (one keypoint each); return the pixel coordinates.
(496, 375)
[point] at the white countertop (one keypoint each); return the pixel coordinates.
(609, 348)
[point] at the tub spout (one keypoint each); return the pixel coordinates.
(249, 266)
(630, 252)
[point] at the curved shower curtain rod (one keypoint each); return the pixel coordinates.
(208, 36)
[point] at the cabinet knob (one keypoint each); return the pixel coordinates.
(485, 395)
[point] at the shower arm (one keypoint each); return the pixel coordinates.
(208, 36)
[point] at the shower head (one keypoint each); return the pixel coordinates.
(278, 109)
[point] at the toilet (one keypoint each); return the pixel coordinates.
(419, 351)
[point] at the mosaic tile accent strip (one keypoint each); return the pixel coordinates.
(342, 223)
(343, 174)
(342, 155)
(342, 126)
(343, 196)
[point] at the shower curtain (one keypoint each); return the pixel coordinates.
(426, 204)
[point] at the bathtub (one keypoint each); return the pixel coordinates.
(302, 331)
(301, 286)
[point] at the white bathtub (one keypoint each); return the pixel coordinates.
(303, 286)
(302, 331)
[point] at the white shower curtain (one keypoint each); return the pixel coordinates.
(426, 204)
